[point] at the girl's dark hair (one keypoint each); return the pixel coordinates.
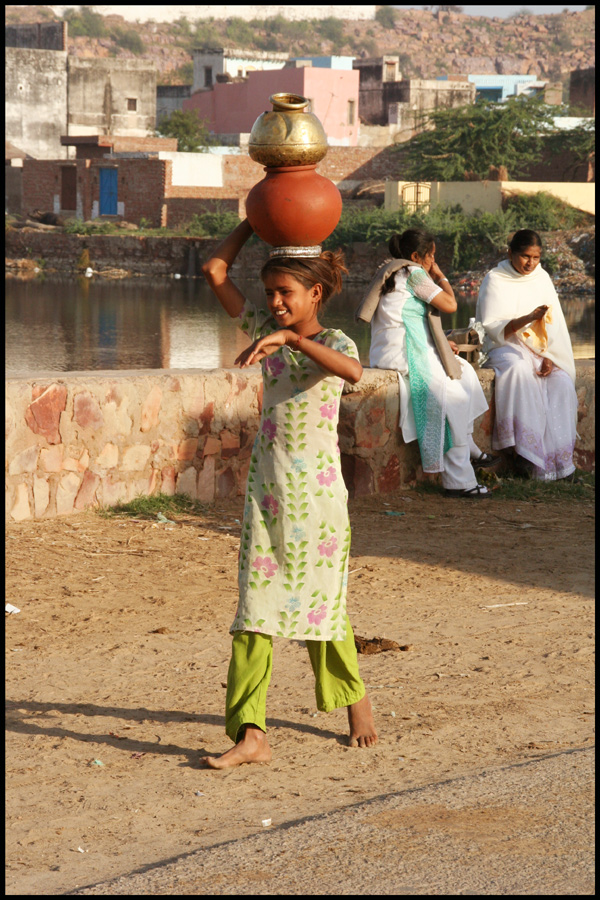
(523, 239)
(325, 270)
(402, 246)
(413, 240)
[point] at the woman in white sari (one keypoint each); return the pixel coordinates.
(435, 409)
(530, 351)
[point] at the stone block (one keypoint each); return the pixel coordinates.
(362, 478)
(135, 458)
(230, 444)
(167, 484)
(43, 414)
(113, 491)
(116, 419)
(206, 480)
(21, 509)
(226, 483)
(187, 449)
(77, 465)
(86, 411)
(87, 492)
(109, 457)
(193, 399)
(9, 419)
(152, 482)
(41, 496)
(187, 482)
(371, 430)
(212, 446)
(51, 458)
(206, 417)
(66, 493)
(151, 409)
(389, 480)
(25, 461)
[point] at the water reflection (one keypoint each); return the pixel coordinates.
(66, 324)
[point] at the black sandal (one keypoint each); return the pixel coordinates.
(484, 461)
(479, 492)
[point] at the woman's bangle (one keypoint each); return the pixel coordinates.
(298, 339)
(443, 278)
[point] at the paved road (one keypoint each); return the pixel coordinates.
(521, 829)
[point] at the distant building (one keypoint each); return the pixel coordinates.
(226, 64)
(582, 90)
(169, 99)
(325, 62)
(232, 108)
(500, 87)
(50, 94)
(385, 98)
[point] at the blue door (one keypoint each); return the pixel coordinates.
(108, 192)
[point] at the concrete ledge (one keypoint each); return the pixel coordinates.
(81, 439)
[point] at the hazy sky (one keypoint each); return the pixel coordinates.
(504, 11)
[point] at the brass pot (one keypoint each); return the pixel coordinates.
(287, 136)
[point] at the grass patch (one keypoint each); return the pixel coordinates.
(505, 488)
(150, 507)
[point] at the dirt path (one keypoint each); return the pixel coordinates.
(117, 661)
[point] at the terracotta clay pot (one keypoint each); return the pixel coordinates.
(293, 206)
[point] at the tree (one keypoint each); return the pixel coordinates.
(386, 16)
(470, 139)
(190, 130)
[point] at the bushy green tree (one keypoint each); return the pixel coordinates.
(474, 137)
(386, 16)
(190, 130)
(83, 22)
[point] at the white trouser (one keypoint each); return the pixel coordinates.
(458, 472)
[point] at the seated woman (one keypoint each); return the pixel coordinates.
(530, 351)
(435, 410)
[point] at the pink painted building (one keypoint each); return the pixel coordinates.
(232, 108)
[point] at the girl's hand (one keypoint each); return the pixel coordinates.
(546, 367)
(264, 346)
(434, 270)
(454, 347)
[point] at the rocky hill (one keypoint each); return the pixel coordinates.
(429, 43)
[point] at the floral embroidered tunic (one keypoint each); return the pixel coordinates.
(293, 566)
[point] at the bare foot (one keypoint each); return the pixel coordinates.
(253, 747)
(362, 725)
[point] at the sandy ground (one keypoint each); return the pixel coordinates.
(117, 662)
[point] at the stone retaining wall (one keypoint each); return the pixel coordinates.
(77, 440)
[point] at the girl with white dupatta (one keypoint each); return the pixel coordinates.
(530, 351)
(436, 410)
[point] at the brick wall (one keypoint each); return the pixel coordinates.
(41, 181)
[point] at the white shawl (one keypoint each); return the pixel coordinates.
(505, 294)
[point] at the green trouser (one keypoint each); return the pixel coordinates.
(335, 664)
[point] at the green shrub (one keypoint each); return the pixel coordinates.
(85, 23)
(128, 39)
(217, 224)
(386, 16)
(544, 212)
(465, 237)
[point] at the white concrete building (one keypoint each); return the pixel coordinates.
(172, 13)
(226, 64)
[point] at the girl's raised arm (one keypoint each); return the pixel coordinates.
(216, 269)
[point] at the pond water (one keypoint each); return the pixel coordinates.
(74, 324)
